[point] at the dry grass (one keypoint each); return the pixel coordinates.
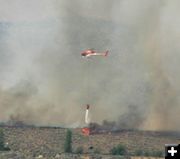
(146, 158)
(50, 141)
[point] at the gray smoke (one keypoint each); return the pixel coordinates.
(43, 79)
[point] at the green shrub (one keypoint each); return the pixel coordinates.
(118, 150)
(97, 151)
(1, 140)
(3, 147)
(157, 153)
(79, 150)
(68, 142)
(147, 153)
(138, 152)
(7, 149)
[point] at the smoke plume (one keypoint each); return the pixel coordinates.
(44, 81)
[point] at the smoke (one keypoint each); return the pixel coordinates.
(44, 81)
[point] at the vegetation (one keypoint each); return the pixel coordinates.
(146, 153)
(97, 151)
(68, 142)
(79, 150)
(118, 150)
(3, 147)
(52, 141)
(1, 140)
(157, 153)
(139, 152)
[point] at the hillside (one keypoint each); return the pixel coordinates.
(48, 142)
